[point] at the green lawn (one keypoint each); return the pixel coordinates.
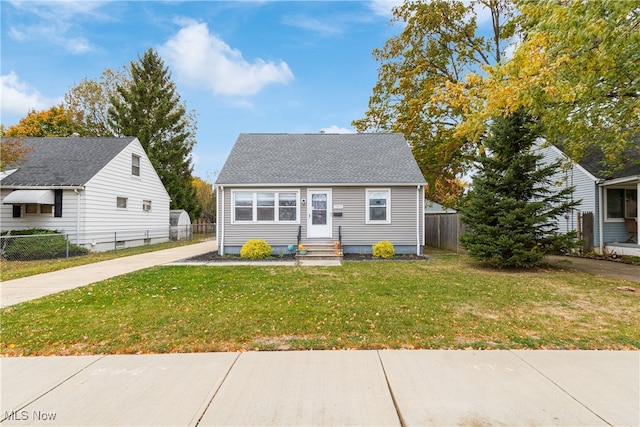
(451, 302)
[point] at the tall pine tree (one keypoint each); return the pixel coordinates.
(514, 201)
(149, 108)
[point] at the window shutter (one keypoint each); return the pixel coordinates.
(58, 204)
(17, 211)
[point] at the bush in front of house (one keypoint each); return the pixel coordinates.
(41, 244)
(383, 249)
(255, 249)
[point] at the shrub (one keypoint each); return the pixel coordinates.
(383, 249)
(44, 244)
(255, 249)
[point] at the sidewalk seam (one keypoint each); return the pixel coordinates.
(561, 388)
(393, 397)
(64, 380)
(216, 390)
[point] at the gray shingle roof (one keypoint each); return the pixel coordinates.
(361, 158)
(58, 162)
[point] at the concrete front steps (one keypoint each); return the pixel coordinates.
(319, 254)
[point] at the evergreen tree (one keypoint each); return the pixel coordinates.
(513, 203)
(149, 108)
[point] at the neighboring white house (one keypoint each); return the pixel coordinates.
(357, 189)
(613, 200)
(101, 192)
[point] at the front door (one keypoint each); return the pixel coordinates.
(319, 213)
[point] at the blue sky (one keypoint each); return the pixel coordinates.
(242, 66)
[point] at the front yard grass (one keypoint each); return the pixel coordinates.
(450, 303)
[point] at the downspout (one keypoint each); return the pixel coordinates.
(220, 227)
(600, 220)
(418, 211)
(77, 217)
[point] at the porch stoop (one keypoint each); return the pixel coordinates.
(319, 254)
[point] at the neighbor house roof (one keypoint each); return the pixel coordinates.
(593, 162)
(341, 159)
(64, 162)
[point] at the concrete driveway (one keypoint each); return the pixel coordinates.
(32, 287)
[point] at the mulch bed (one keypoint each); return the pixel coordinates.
(216, 257)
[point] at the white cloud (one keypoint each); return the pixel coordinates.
(19, 98)
(204, 59)
(384, 7)
(56, 21)
(336, 129)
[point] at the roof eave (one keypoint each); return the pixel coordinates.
(632, 179)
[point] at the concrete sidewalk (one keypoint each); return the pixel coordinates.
(312, 388)
(32, 287)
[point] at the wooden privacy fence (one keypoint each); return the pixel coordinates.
(201, 226)
(443, 231)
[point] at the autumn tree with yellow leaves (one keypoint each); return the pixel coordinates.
(573, 67)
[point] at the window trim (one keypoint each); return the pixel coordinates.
(367, 207)
(254, 206)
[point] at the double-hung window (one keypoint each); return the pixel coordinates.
(378, 206)
(265, 206)
(135, 165)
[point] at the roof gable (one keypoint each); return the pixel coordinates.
(64, 162)
(341, 159)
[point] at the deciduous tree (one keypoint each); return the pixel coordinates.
(89, 101)
(150, 109)
(576, 69)
(421, 70)
(56, 121)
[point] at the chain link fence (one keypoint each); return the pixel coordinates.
(30, 245)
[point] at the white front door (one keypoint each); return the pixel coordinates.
(319, 213)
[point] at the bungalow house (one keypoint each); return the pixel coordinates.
(612, 199)
(101, 192)
(356, 189)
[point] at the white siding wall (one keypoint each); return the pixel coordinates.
(586, 189)
(99, 207)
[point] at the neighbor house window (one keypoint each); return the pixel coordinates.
(31, 208)
(622, 203)
(378, 206)
(265, 206)
(146, 205)
(121, 202)
(135, 165)
(46, 209)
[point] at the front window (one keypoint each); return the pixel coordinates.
(622, 203)
(378, 206)
(265, 206)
